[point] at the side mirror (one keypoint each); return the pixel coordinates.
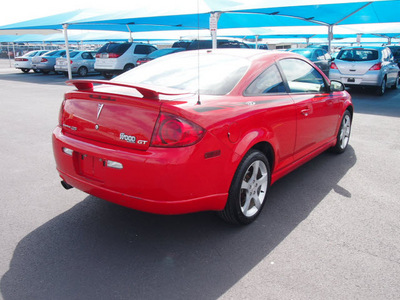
(336, 86)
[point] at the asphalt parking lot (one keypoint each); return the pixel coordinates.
(331, 229)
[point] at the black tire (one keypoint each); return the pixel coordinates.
(107, 75)
(343, 136)
(395, 86)
(128, 67)
(82, 71)
(382, 88)
(65, 74)
(36, 70)
(248, 191)
(25, 70)
(45, 72)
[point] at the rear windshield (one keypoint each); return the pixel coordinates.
(358, 55)
(210, 74)
(30, 54)
(115, 48)
(72, 54)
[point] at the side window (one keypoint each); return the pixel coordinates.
(144, 49)
(302, 77)
(270, 81)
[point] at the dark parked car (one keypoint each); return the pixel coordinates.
(318, 56)
(396, 53)
(221, 43)
(157, 54)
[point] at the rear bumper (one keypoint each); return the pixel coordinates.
(155, 181)
(371, 78)
(112, 71)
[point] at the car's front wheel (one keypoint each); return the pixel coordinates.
(248, 191)
(343, 135)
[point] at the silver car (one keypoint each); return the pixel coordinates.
(82, 63)
(46, 62)
(366, 66)
(24, 62)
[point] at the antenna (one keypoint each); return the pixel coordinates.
(198, 53)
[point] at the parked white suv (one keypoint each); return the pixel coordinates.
(116, 58)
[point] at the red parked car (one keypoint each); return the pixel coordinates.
(199, 130)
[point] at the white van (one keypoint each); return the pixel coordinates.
(116, 58)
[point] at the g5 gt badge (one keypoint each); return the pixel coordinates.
(131, 139)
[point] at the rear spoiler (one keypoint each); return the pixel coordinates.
(147, 91)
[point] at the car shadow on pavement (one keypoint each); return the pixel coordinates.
(98, 250)
(40, 78)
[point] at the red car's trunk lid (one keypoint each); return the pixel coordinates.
(124, 119)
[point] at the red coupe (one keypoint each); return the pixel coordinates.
(199, 130)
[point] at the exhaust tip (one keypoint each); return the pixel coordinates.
(66, 185)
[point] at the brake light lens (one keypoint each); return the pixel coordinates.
(376, 67)
(44, 60)
(334, 66)
(113, 55)
(173, 131)
(108, 55)
(21, 59)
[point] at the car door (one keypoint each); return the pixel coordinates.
(317, 110)
(269, 95)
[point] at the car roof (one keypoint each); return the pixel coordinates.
(365, 48)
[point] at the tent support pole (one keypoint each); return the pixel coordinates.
(65, 27)
(130, 33)
(330, 38)
(214, 17)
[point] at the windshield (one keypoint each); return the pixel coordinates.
(162, 52)
(358, 55)
(305, 53)
(208, 73)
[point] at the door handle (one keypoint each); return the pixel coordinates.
(305, 112)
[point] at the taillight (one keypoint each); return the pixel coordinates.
(113, 55)
(334, 66)
(21, 59)
(98, 55)
(60, 115)
(174, 131)
(70, 62)
(376, 67)
(44, 60)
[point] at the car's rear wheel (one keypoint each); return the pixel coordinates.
(343, 135)
(396, 84)
(25, 70)
(36, 70)
(45, 72)
(382, 88)
(248, 191)
(128, 67)
(82, 71)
